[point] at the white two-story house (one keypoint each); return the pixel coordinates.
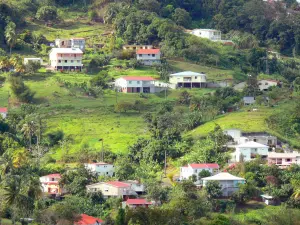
(50, 184)
(250, 150)
(101, 168)
(211, 34)
(132, 84)
(188, 79)
(148, 57)
(195, 168)
(66, 59)
(229, 183)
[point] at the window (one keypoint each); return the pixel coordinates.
(61, 55)
(195, 78)
(59, 61)
(259, 83)
(66, 61)
(148, 54)
(130, 82)
(140, 55)
(255, 149)
(255, 140)
(138, 82)
(72, 61)
(75, 55)
(288, 160)
(78, 61)
(266, 83)
(153, 55)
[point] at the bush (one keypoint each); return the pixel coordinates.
(20, 90)
(93, 15)
(55, 137)
(32, 67)
(123, 106)
(47, 13)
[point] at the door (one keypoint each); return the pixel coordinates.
(138, 90)
(146, 89)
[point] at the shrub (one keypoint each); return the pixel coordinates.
(47, 13)
(32, 67)
(20, 90)
(55, 137)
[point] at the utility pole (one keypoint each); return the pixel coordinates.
(102, 150)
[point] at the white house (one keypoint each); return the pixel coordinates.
(148, 56)
(188, 79)
(112, 189)
(211, 34)
(50, 184)
(283, 160)
(66, 58)
(130, 84)
(240, 137)
(136, 47)
(194, 169)
(250, 150)
(229, 183)
(36, 60)
(78, 43)
(248, 100)
(3, 112)
(70, 43)
(101, 168)
(265, 84)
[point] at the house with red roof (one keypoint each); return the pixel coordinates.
(137, 202)
(148, 57)
(135, 84)
(109, 189)
(88, 220)
(50, 184)
(101, 168)
(195, 168)
(3, 112)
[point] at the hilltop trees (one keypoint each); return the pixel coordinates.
(47, 13)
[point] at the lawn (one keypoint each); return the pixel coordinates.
(247, 121)
(86, 119)
(213, 74)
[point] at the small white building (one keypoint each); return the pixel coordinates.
(50, 184)
(148, 57)
(188, 79)
(229, 183)
(194, 169)
(211, 34)
(101, 168)
(248, 100)
(250, 150)
(36, 60)
(136, 47)
(3, 112)
(130, 84)
(66, 59)
(265, 84)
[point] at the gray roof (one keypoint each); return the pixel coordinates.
(249, 99)
(187, 73)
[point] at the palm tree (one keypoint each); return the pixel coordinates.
(4, 63)
(11, 35)
(5, 165)
(28, 131)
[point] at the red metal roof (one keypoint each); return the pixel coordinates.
(54, 175)
(118, 184)
(88, 220)
(138, 201)
(205, 165)
(148, 51)
(3, 110)
(138, 78)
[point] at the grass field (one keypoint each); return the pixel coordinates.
(244, 120)
(86, 119)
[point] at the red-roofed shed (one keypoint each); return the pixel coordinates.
(139, 202)
(148, 51)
